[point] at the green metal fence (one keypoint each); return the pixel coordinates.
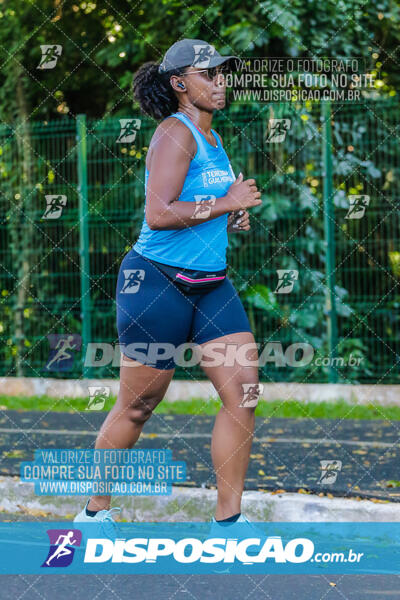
(58, 275)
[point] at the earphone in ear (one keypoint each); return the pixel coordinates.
(181, 85)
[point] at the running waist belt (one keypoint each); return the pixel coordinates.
(189, 281)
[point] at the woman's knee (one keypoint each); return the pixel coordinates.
(242, 395)
(140, 410)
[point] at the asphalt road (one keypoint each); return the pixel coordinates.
(286, 453)
(200, 587)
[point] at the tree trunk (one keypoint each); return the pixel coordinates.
(22, 219)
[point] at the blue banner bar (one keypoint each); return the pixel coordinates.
(192, 548)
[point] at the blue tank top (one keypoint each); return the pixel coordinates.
(201, 246)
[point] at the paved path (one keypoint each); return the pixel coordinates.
(201, 587)
(286, 453)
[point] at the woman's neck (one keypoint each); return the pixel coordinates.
(200, 118)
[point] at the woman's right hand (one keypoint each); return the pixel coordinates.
(243, 194)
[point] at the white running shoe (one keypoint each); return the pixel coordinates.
(103, 518)
(241, 529)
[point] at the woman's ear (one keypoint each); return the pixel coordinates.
(177, 85)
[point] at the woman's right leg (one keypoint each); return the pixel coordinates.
(141, 389)
(150, 309)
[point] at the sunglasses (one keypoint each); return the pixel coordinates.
(212, 72)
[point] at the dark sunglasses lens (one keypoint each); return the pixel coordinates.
(211, 73)
(214, 71)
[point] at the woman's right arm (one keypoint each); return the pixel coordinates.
(172, 149)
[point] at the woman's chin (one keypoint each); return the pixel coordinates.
(219, 103)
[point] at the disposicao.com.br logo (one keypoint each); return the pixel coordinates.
(200, 547)
(211, 551)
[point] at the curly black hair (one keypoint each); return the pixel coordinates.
(154, 92)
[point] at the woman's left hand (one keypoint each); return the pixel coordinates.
(238, 221)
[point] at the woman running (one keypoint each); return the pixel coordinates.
(172, 285)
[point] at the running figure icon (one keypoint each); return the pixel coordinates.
(62, 550)
(63, 345)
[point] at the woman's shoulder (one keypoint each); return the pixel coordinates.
(172, 131)
(172, 123)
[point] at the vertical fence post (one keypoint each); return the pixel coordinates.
(86, 313)
(329, 239)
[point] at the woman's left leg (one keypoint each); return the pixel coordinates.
(236, 381)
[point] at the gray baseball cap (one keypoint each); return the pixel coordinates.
(192, 53)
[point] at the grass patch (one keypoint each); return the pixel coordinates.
(197, 406)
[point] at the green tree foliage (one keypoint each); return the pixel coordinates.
(104, 43)
(102, 46)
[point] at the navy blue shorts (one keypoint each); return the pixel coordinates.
(152, 311)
